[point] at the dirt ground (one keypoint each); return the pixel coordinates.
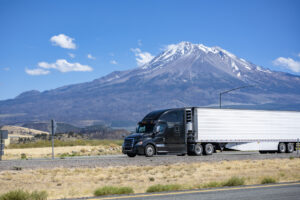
(81, 182)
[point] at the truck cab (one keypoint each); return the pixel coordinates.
(160, 132)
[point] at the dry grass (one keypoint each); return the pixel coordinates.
(79, 182)
(46, 152)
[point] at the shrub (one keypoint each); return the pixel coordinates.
(39, 195)
(212, 185)
(16, 168)
(267, 180)
(23, 156)
(234, 181)
(107, 190)
(24, 195)
(151, 179)
(162, 188)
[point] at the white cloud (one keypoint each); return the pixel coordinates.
(6, 68)
(37, 71)
(63, 41)
(298, 54)
(89, 56)
(288, 63)
(72, 55)
(64, 66)
(113, 62)
(142, 57)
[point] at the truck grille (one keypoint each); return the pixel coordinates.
(128, 144)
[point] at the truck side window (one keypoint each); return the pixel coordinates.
(170, 117)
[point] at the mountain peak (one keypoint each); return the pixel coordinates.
(185, 47)
(199, 53)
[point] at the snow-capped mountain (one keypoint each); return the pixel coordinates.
(184, 74)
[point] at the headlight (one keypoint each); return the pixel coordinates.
(139, 143)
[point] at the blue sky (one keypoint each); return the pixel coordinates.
(45, 44)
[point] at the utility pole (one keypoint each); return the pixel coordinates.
(227, 91)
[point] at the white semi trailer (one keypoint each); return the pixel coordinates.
(248, 129)
(200, 131)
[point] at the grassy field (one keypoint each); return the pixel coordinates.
(42, 149)
(80, 182)
(61, 143)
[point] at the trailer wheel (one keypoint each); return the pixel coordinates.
(290, 148)
(281, 148)
(149, 150)
(198, 150)
(131, 155)
(209, 149)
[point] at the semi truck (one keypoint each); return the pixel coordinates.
(203, 131)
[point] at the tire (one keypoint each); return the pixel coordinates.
(290, 148)
(198, 150)
(183, 154)
(281, 148)
(209, 149)
(149, 150)
(131, 155)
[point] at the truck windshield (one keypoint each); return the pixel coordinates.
(145, 128)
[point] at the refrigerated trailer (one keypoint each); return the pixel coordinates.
(198, 131)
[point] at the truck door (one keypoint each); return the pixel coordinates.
(174, 133)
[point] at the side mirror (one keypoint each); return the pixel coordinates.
(157, 129)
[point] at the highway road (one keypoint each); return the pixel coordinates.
(281, 191)
(123, 160)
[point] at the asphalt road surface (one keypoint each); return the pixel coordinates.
(282, 191)
(123, 160)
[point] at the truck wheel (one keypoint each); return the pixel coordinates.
(198, 150)
(149, 150)
(209, 149)
(281, 148)
(131, 155)
(290, 148)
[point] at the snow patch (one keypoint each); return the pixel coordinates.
(258, 68)
(235, 67)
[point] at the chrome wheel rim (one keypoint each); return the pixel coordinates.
(149, 151)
